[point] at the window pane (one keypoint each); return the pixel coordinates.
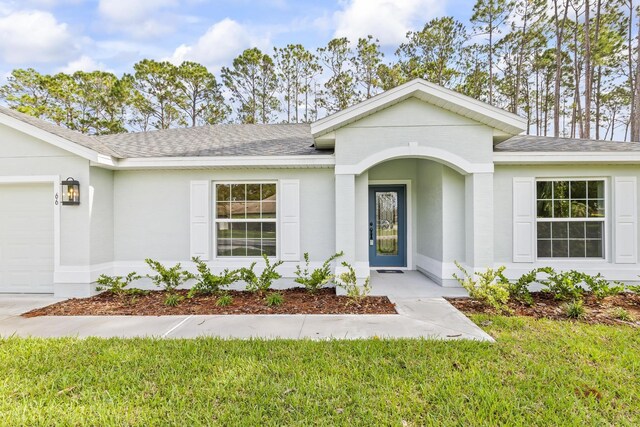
(544, 248)
(578, 208)
(559, 230)
(253, 209)
(253, 191)
(269, 209)
(223, 209)
(576, 230)
(254, 235)
(561, 208)
(224, 247)
(594, 230)
(596, 208)
(254, 230)
(545, 209)
(223, 192)
(238, 210)
(238, 192)
(596, 189)
(269, 247)
(268, 230)
(544, 189)
(544, 230)
(560, 248)
(239, 230)
(224, 230)
(268, 191)
(578, 190)
(577, 248)
(561, 189)
(238, 247)
(594, 249)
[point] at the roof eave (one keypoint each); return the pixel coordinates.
(565, 157)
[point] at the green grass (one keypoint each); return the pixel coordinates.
(538, 373)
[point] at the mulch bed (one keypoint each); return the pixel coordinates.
(296, 301)
(547, 307)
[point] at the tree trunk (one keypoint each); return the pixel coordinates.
(558, 77)
(588, 87)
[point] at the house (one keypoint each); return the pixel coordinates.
(414, 178)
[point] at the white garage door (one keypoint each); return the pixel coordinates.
(26, 238)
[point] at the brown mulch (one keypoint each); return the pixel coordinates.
(547, 307)
(296, 301)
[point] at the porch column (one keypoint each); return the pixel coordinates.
(346, 216)
(479, 220)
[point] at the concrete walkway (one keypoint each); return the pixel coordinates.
(418, 317)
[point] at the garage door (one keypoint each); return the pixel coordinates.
(26, 238)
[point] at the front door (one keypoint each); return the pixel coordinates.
(387, 226)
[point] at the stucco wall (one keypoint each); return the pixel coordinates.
(151, 215)
(23, 155)
(414, 121)
(101, 220)
(503, 215)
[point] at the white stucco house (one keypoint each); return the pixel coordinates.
(414, 178)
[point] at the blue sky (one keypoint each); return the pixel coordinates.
(70, 35)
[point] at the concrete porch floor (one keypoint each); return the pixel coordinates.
(410, 284)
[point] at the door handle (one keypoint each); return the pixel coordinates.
(371, 234)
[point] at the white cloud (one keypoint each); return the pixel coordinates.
(387, 20)
(222, 42)
(139, 18)
(34, 37)
(83, 63)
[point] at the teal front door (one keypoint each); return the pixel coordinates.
(387, 226)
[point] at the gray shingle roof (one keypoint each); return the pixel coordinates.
(217, 140)
(530, 143)
(68, 134)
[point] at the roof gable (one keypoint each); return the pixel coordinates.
(462, 105)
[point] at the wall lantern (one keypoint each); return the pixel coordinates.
(70, 192)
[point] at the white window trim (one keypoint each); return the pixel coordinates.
(275, 220)
(605, 220)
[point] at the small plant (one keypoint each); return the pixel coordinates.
(319, 277)
(565, 285)
(173, 300)
(575, 309)
(633, 288)
(490, 287)
(224, 300)
(349, 282)
(117, 284)
(601, 287)
(622, 314)
(169, 279)
(274, 299)
(263, 282)
(208, 282)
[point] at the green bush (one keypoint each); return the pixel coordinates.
(572, 284)
(490, 287)
(210, 283)
(319, 277)
(575, 309)
(601, 287)
(633, 288)
(224, 300)
(274, 299)
(263, 282)
(349, 282)
(169, 279)
(117, 284)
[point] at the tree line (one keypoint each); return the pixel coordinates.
(570, 67)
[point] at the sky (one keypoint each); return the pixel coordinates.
(112, 35)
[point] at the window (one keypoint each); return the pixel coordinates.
(245, 219)
(570, 218)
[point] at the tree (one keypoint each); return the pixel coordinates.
(560, 12)
(366, 62)
(27, 91)
(340, 90)
(158, 83)
(434, 52)
(201, 97)
(253, 83)
(296, 69)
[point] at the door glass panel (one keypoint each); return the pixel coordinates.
(387, 223)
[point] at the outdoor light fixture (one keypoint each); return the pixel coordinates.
(70, 192)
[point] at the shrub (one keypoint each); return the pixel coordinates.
(274, 299)
(575, 309)
(117, 284)
(349, 282)
(173, 300)
(568, 285)
(224, 300)
(601, 287)
(263, 282)
(622, 314)
(210, 283)
(490, 287)
(319, 277)
(633, 288)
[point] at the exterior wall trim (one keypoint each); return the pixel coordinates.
(510, 158)
(412, 150)
(311, 161)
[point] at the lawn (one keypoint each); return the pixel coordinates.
(540, 372)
